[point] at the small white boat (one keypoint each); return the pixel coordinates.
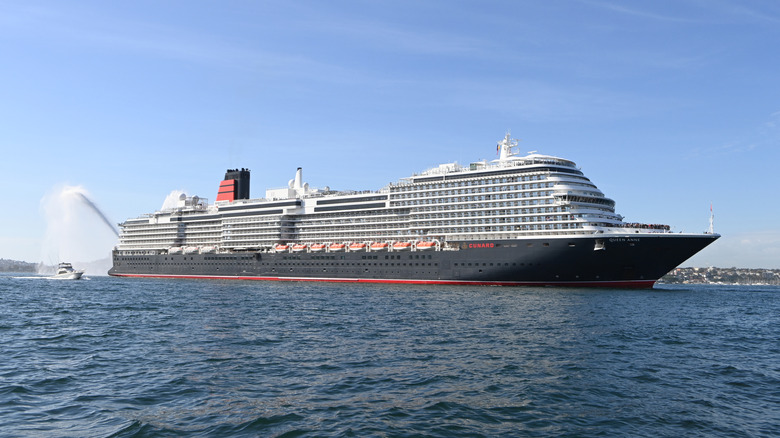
(65, 271)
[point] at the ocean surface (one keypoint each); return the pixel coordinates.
(112, 357)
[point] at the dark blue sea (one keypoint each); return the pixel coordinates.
(112, 357)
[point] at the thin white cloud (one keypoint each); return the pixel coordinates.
(100, 32)
(702, 11)
(620, 7)
(395, 38)
(764, 136)
(547, 101)
(754, 13)
(774, 121)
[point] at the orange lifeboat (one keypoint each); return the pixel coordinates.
(379, 246)
(402, 246)
(280, 247)
(337, 247)
(298, 247)
(317, 247)
(357, 246)
(426, 245)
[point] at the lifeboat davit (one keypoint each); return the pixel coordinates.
(379, 246)
(337, 247)
(357, 246)
(402, 246)
(317, 247)
(298, 247)
(280, 247)
(426, 245)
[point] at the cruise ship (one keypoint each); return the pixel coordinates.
(517, 220)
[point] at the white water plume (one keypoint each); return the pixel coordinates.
(172, 200)
(76, 231)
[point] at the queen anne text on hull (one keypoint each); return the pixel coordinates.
(517, 220)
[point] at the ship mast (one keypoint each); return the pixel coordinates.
(712, 220)
(505, 147)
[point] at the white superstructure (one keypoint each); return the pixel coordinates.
(508, 198)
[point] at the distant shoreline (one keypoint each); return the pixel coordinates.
(746, 276)
(17, 266)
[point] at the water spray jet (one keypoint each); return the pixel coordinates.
(97, 211)
(76, 230)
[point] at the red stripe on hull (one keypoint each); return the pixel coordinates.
(621, 284)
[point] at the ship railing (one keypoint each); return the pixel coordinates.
(641, 226)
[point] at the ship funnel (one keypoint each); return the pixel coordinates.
(295, 188)
(298, 179)
(234, 186)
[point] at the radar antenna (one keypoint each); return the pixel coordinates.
(505, 146)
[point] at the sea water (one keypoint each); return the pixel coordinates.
(151, 357)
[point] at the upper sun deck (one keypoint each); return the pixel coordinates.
(508, 156)
(534, 159)
(507, 160)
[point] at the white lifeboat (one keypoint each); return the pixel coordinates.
(426, 245)
(357, 246)
(337, 247)
(402, 246)
(379, 246)
(208, 250)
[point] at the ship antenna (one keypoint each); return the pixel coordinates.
(504, 147)
(712, 220)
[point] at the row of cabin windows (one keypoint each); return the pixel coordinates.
(468, 183)
(461, 192)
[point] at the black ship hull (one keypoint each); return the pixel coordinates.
(632, 261)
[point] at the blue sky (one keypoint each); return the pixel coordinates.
(667, 106)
